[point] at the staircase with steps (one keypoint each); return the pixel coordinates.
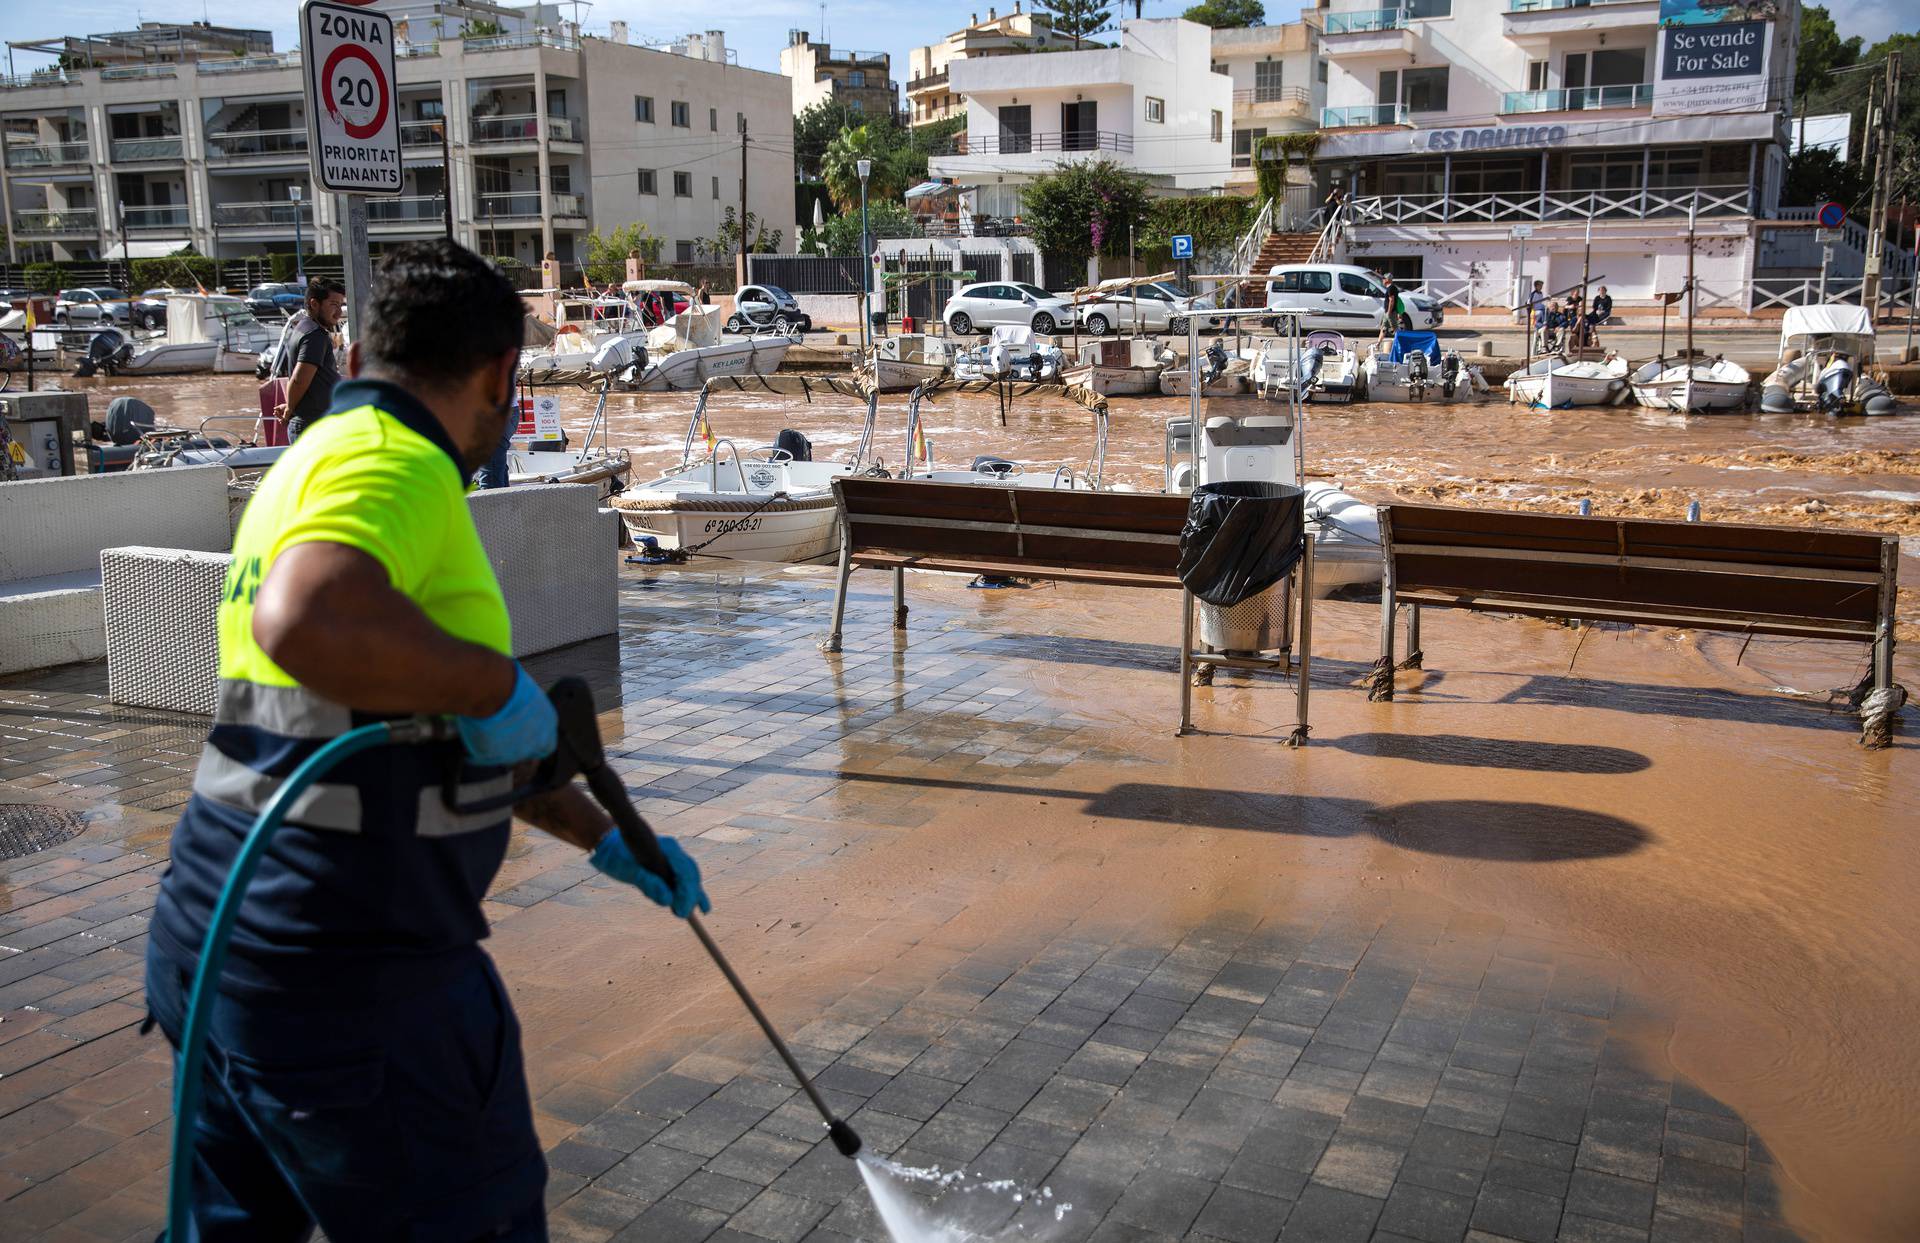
(1278, 248)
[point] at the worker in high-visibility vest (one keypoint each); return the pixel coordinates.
(364, 1071)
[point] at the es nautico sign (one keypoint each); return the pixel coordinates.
(1492, 138)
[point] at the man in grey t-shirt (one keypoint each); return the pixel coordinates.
(309, 363)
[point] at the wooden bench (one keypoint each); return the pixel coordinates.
(1111, 539)
(1802, 582)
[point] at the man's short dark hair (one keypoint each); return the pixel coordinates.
(439, 312)
(320, 288)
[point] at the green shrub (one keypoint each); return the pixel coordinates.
(180, 271)
(46, 277)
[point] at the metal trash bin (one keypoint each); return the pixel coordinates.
(1263, 622)
(1237, 553)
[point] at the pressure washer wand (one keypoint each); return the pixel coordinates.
(580, 735)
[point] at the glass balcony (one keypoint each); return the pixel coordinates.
(419, 133)
(135, 150)
(68, 223)
(1578, 99)
(140, 219)
(410, 209)
(1542, 6)
(494, 207)
(523, 127)
(1363, 115)
(250, 64)
(49, 155)
(566, 205)
(235, 144)
(253, 215)
(1362, 21)
(535, 38)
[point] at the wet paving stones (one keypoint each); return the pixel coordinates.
(1393, 1070)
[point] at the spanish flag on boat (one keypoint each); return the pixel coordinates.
(706, 432)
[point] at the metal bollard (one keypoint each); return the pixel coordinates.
(1586, 509)
(1693, 511)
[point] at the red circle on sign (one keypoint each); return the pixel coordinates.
(1831, 214)
(350, 52)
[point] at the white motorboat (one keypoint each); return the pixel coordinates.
(1125, 368)
(906, 361)
(1697, 387)
(1824, 355)
(539, 451)
(775, 504)
(205, 332)
(1413, 368)
(1221, 374)
(1328, 369)
(1010, 353)
(1556, 382)
(1001, 472)
(688, 350)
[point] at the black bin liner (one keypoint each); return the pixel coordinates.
(1240, 539)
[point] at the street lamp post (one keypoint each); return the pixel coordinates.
(299, 264)
(866, 259)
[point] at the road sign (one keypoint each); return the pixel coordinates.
(1521, 232)
(352, 112)
(1831, 215)
(1183, 246)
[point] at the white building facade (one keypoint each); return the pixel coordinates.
(549, 135)
(1153, 104)
(1451, 122)
(1279, 87)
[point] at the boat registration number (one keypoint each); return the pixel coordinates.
(732, 524)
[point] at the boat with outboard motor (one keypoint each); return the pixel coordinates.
(774, 503)
(1691, 386)
(205, 332)
(1413, 367)
(1221, 374)
(1556, 382)
(1011, 352)
(907, 360)
(688, 349)
(1841, 384)
(1128, 367)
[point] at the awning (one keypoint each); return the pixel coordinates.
(931, 189)
(141, 250)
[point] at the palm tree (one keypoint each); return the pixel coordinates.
(839, 166)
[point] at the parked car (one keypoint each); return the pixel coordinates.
(767, 308)
(150, 309)
(97, 304)
(985, 306)
(1163, 307)
(274, 301)
(1341, 297)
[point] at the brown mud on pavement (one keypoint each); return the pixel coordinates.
(1622, 953)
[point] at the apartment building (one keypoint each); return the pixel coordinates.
(548, 135)
(1458, 124)
(1153, 103)
(1279, 87)
(930, 93)
(863, 81)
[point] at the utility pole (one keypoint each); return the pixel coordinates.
(1882, 190)
(740, 278)
(446, 179)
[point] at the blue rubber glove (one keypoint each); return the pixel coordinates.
(613, 858)
(524, 729)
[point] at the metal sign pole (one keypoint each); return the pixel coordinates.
(356, 257)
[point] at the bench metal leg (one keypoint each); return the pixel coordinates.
(899, 599)
(1186, 662)
(1414, 655)
(1883, 702)
(1380, 681)
(832, 642)
(1299, 736)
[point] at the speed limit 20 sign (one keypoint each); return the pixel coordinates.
(353, 109)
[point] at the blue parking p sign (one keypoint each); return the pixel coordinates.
(1183, 246)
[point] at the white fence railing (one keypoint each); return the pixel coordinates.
(1551, 205)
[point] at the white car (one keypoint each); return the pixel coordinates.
(1342, 297)
(97, 305)
(1163, 308)
(990, 304)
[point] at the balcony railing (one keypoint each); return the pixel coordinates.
(62, 223)
(134, 150)
(40, 77)
(1054, 140)
(1541, 6)
(413, 51)
(1578, 98)
(48, 155)
(1247, 97)
(410, 209)
(125, 73)
(1363, 115)
(256, 215)
(535, 38)
(142, 219)
(521, 128)
(871, 84)
(1547, 205)
(235, 144)
(1364, 21)
(251, 64)
(420, 133)
(566, 205)
(929, 82)
(525, 206)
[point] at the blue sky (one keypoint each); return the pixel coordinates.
(757, 28)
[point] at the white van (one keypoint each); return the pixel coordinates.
(1341, 297)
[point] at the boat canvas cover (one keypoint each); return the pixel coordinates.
(1013, 336)
(1825, 321)
(193, 319)
(1406, 344)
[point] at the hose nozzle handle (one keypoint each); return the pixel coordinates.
(580, 743)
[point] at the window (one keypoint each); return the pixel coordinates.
(1360, 285)
(1308, 280)
(643, 109)
(1156, 110)
(683, 185)
(683, 252)
(1323, 73)
(682, 114)
(557, 102)
(1219, 125)
(1217, 67)
(1266, 81)
(713, 120)
(430, 110)
(1418, 9)
(1418, 90)
(646, 182)
(560, 179)
(855, 105)
(716, 188)
(1405, 269)
(1536, 75)
(1016, 129)
(1244, 142)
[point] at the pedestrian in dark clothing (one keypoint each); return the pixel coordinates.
(308, 356)
(1601, 313)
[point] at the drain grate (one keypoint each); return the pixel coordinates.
(26, 829)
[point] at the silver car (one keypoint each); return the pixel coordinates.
(984, 306)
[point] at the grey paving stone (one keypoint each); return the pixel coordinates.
(1417, 1212)
(673, 1219)
(1626, 1201)
(1163, 1201)
(1359, 1166)
(1325, 1214)
(1234, 1215)
(1694, 1189)
(1516, 1214)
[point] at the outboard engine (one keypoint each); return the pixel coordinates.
(1311, 362)
(999, 362)
(128, 419)
(987, 465)
(1835, 385)
(1449, 373)
(1216, 362)
(797, 447)
(109, 349)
